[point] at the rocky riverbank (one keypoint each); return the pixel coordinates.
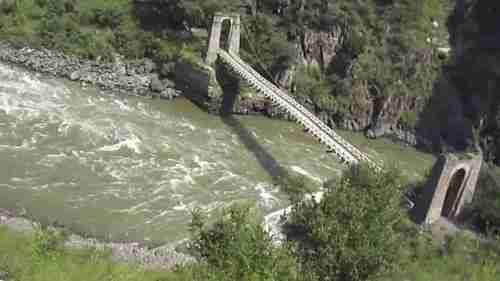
(163, 257)
(138, 77)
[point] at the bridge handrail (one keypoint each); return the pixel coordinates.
(301, 110)
(291, 100)
(251, 77)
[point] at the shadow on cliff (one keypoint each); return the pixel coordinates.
(231, 88)
(452, 115)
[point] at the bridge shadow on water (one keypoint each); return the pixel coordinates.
(266, 160)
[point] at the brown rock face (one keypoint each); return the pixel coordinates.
(361, 110)
(319, 47)
(314, 48)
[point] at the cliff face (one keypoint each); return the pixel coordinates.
(376, 116)
(319, 48)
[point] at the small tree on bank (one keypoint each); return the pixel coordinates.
(237, 247)
(351, 233)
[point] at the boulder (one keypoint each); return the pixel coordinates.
(168, 83)
(169, 93)
(167, 69)
(149, 65)
(156, 84)
(21, 225)
(75, 75)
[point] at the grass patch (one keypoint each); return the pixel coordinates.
(41, 257)
(461, 259)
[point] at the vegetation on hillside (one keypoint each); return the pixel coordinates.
(485, 210)
(387, 46)
(92, 29)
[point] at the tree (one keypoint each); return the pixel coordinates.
(351, 233)
(237, 247)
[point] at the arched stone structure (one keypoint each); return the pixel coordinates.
(452, 184)
(215, 34)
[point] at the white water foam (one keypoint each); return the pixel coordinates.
(227, 176)
(180, 207)
(133, 143)
(305, 173)
(266, 199)
(137, 208)
(273, 222)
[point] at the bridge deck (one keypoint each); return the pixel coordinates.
(344, 150)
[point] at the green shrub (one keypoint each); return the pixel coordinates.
(458, 258)
(45, 244)
(486, 202)
(236, 247)
(108, 17)
(8, 6)
(351, 234)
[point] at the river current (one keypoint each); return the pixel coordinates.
(132, 168)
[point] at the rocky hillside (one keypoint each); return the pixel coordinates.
(361, 65)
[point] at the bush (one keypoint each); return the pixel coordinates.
(45, 244)
(108, 17)
(8, 6)
(352, 233)
(237, 247)
(486, 204)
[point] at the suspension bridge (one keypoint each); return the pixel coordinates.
(345, 151)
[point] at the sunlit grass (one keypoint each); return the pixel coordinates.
(22, 260)
(463, 259)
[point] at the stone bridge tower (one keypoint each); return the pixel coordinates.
(451, 185)
(215, 34)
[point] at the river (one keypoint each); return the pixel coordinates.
(132, 168)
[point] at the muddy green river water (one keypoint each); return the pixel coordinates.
(132, 168)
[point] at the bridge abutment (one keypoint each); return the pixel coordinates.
(451, 185)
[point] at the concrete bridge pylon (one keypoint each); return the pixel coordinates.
(215, 36)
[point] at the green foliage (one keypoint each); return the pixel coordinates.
(459, 258)
(40, 257)
(108, 17)
(45, 244)
(265, 46)
(312, 87)
(351, 233)
(486, 203)
(237, 247)
(176, 13)
(90, 29)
